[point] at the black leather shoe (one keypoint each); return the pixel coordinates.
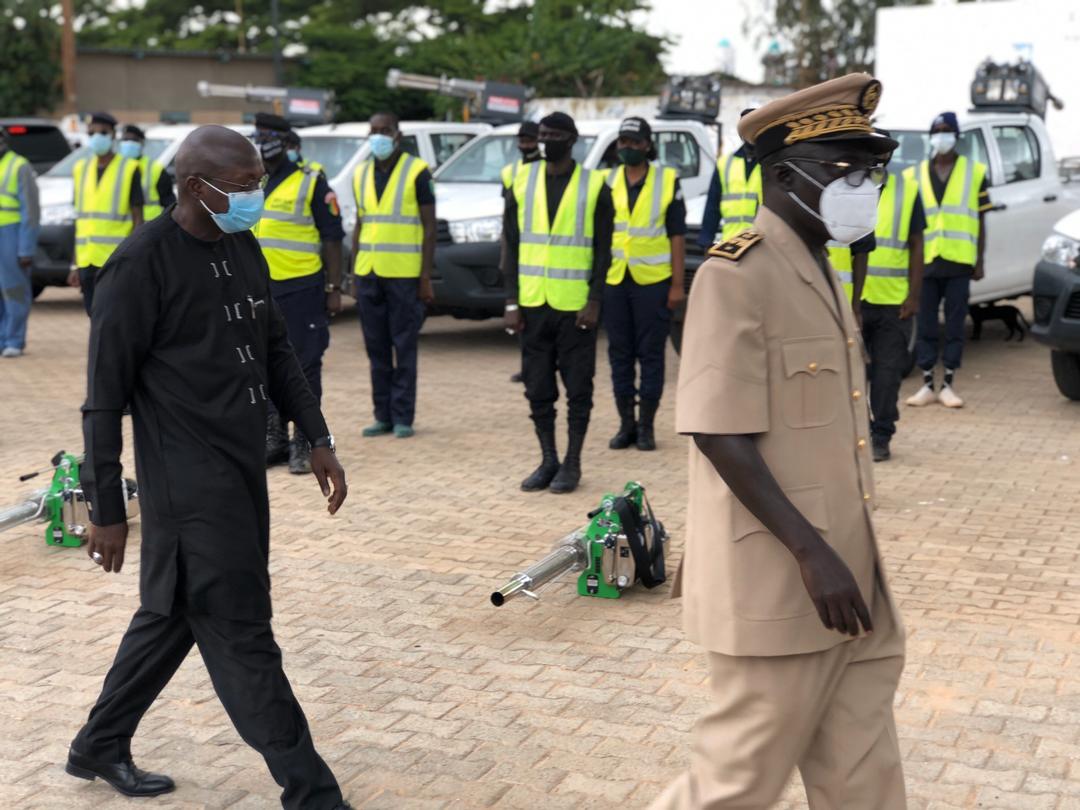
(124, 777)
(881, 451)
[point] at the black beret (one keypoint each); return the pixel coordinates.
(134, 131)
(275, 123)
(529, 129)
(102, 118)
(560, 121)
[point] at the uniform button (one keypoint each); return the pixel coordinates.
(812, 366)
(850, 342)
(866, 497)
(856, 394)
(862, 443)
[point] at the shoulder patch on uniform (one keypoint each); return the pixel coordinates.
(734, 248)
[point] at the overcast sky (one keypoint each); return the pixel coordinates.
(699, 26)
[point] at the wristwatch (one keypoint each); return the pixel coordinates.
(331, 288)
(325, 441)
(511, 307)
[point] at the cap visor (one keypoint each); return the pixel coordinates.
(877, 143)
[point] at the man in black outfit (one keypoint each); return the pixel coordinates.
(185, 329)
(554, 286)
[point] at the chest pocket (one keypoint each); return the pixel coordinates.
(812, 390)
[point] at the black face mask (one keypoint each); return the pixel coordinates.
(554, 151)
(633, 157)
(529, 155)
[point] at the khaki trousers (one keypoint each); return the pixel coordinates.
(830, 714)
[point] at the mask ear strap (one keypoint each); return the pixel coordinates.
(798, 200)
(796, 169)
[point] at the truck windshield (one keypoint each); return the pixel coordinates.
(915, 147)
(482, 160)
(332, 151)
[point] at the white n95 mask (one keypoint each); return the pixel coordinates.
(848, 212)
(941, 143)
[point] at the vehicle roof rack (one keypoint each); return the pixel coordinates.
(1016, 87)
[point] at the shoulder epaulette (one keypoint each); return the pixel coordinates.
(734, 248)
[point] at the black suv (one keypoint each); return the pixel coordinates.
(39, 141)
(1056, 295)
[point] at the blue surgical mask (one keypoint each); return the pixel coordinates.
(245, 209)
(130, 149)
(293, 155)
(100, 143)
(382, 146)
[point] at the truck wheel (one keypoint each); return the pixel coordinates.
(37, 289)
(1066, 366)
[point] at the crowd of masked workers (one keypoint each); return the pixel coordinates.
(581, 247)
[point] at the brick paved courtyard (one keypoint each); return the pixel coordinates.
(422, 695)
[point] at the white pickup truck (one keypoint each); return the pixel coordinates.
(1027, 193)
(469, 202)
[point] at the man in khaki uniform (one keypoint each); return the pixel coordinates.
(782, 581)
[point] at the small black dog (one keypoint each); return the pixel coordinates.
(1006, 313)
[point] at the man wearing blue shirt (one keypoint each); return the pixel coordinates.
(19, 215)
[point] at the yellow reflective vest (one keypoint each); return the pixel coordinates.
(952, 224)
(102, 208)
(391, 235)
(10, 166)
(510, 172)
(887, 271)
(150, 174)
(640, 241)
(840, 259)
(311, 165)
(740, 195)
(555, 259)
(286, 232)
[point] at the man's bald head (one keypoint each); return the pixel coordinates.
(214, 151)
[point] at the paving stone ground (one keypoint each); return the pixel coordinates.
(422, 695)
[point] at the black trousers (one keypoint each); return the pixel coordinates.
(87, 277)
(553, 345)
(887, 339)
(638, 321)
(391, 314)
(308, 325)
(244, 663)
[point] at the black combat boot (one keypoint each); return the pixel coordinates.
(300, 455)
(277, 441)
(627, 434)
(646, 440)
(570, 471)
(549, 463)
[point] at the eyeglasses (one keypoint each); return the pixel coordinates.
(258, 185)
(853, 174)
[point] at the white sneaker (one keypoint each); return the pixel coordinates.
(949, 398)
(11, 351)
(924, 396)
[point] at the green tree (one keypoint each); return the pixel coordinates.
(824, 38)
(29, 58)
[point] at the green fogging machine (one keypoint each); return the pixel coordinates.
(63, 505)
(622, 543)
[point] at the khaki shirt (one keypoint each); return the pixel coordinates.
(771, 349)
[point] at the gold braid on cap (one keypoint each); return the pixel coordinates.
(846, 118)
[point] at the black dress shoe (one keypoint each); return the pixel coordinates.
(123, 776)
